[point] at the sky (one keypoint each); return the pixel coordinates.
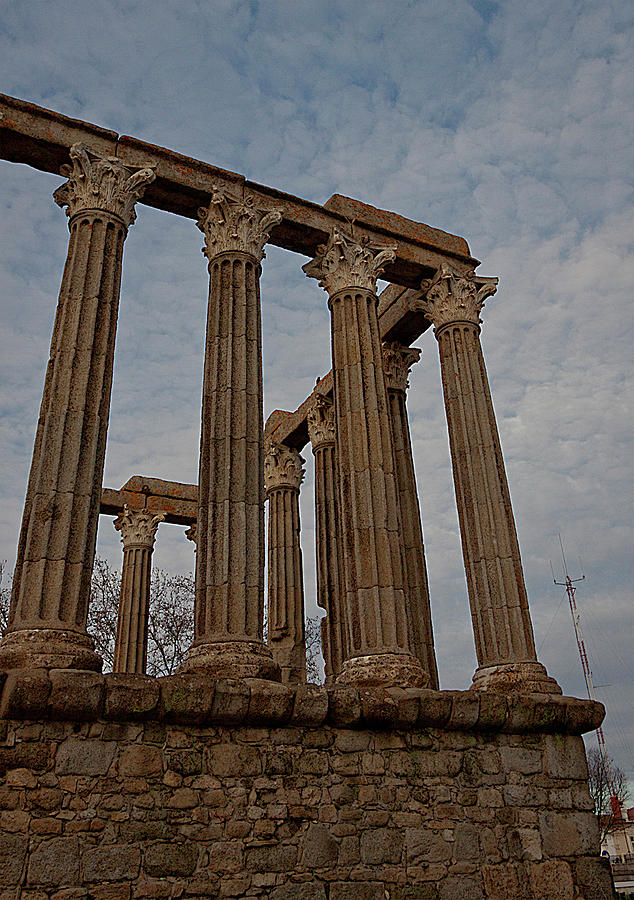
(509, 123)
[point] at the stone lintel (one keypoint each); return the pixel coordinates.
(175, 501)
(41, 138)
(192, 698)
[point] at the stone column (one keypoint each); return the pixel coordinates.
(328, 550)
(229, 609)
(283, 474)
(502, 626)
(51, 585)
(138, 533)
(397, 361)
(378, 645)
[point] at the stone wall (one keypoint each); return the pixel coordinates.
(117, 787)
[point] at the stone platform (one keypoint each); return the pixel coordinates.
(118, 786)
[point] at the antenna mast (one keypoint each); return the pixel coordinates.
(569, 584)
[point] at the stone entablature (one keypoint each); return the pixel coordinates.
(190, 788)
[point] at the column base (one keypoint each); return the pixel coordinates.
(48, 648)
(383, 670)
(231, 659)
(522, 677)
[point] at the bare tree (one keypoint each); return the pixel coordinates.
(5, 596)
(314, 657)
(170, 618)
(606, 780)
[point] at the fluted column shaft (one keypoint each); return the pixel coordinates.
(51, 587)
(328, 550)
(378, 644)
(283, 474)
(502, 626)
(397, 361)
(229, 606)
(138, 533)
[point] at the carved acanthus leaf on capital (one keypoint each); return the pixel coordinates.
(453, 296)
(103, 183)
(235, 225)
(191, 533)
(138, 526)
(397, 362)
(283, 467)
(321, 421)
(343, 263)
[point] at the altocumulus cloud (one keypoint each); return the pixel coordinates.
(507, 122)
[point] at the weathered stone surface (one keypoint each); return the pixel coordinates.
(163, 860)
(111, 863)
(319, 848)
(358, 890)
(76, 695)
(25, 694)
(186, 698)
(13, 850)
(55, 862)
(302, 891)
(131, 697)
(593, 877)
(84, 757)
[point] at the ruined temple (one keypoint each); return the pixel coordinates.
(235, 777)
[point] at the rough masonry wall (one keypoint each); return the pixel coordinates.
(113, 810)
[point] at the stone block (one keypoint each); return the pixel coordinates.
(55, 862)
(465, 710)
(165, 860)
(422, 845)
(379, 708)
(565, 757)
(185, 762)
(140, 759)
(77, 756)
(319, 848)
(186, 698)
(560, 834)
(234, 760)
(32, 756)
(344, 706)
(271, 858)
(203, 886)
(551, 880)
(76, 695)
(521, 759)
(25, 694)
(130, 697)
(381, 845)
(111, 862)
(308, 890)
(310, 706)
(357, 890)
(13, 848)
(415, 892)
(270, 703)
(464, 887)
(226, 856)
(109, 892)
(594, 878)
(493, 711)
(466, 845)
(231, 701)
(435, 709)
(408, 705)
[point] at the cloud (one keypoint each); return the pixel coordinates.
(508, 122)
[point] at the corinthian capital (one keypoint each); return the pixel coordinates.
(343, 263)
(451, 296)
(397, 361)
(137, 526)
(283, 467)
(103, 183)
(321, 421)
(231, 225)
